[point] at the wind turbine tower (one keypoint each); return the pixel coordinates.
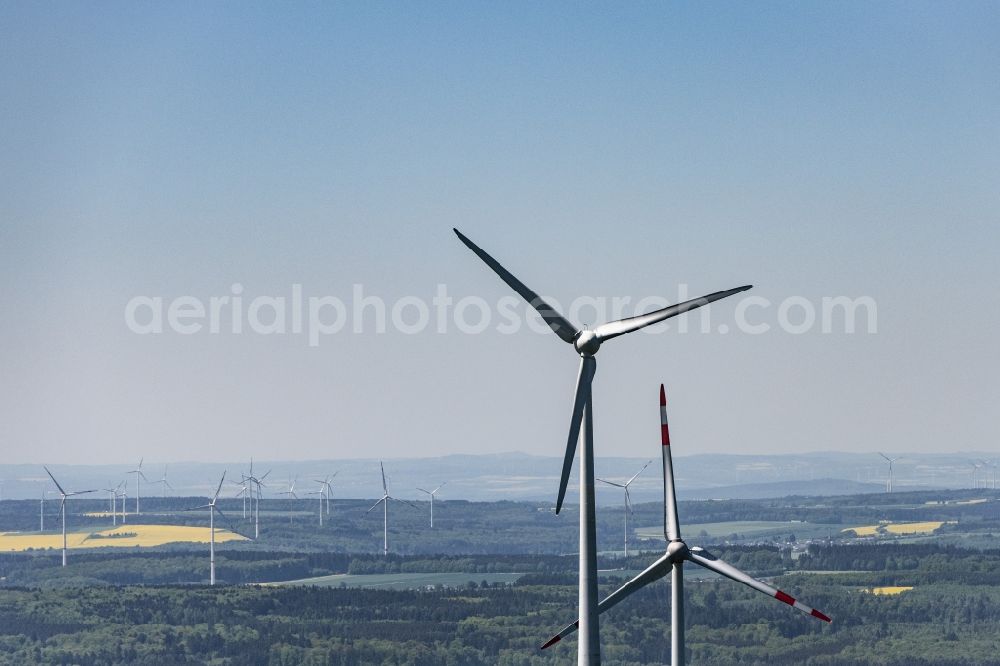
(211, 523)
(62, 508)
(673, 560)
(628, 499)
(432, 493)
(586, 344)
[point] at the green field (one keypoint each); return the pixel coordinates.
(746, 529)
(404, 581)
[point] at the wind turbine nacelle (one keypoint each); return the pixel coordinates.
(677, 551)
(587, 343)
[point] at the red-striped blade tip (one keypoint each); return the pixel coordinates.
(817, 614)
(664, 428)
(552, 641)
(781, 596)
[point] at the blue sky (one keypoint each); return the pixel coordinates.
(812, 149)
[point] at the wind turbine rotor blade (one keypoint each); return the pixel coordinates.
(610, 483)
(385, 486)
(375, 506)
(588, 366)
(704, 558)
(196, 508)
(439, 487)
(61, 491)
(80, 492)
(216, 496)
(671, 524)
(621, 327)
(559, 324)
(402, 501)
(425, 491)
(634, 476)
(653, 572)
(628, 501)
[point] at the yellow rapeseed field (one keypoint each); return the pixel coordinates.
(896, 528)
(145, 535)
(913, 528)
(891, 589)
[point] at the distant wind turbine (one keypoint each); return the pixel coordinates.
(432, 493)
(138, 473)
(586, 343)
(327, 488)
(888, 481)
(163, 481)
(384, 501)
(291, 494)
(62, 508)
(673, 560)
(112, 498)
(259, 484)
(212, 509)
(628, 500)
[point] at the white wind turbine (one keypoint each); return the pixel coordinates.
(113, 501)
(62, 508)
(258, 484)
(244, 490)
(291, 494)
(673, 560)
(123, 495)
(586, 343)
(327, 488)
(321, 493)
(384, 501)
(212, 509)
(432, 493)
(138, 473)
(888, 481)
(163, 481)
(628, 499)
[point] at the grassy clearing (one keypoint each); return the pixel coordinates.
(123, 536)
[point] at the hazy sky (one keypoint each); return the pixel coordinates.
(812, 149)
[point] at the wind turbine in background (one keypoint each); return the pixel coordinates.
(164, 482)
(291, 493)
(258, 484)
(211, 523)
(384, 501)
(586, 343)
(123, 495)
(62, 508)
(244, 490)
(320, 493)
(113, 501)
(432, 493)
(628, 500)
(888, 481)
(327, 488)
(673, 560)
(138, 473)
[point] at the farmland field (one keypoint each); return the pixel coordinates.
(123, 536)
(925, 527)
(404, 581)
(746, 529)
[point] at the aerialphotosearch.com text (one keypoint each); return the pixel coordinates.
(318, 317)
